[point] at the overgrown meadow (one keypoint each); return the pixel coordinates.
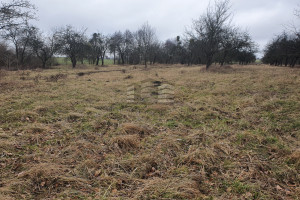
(232, 133)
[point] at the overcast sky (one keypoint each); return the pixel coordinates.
(262, 18)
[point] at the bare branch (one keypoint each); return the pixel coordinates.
(16, 13)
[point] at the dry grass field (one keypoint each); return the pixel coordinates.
(231, 133)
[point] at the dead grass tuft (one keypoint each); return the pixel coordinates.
(158, 188)
(36, 130)
(46, 178)
(133, 129)
(105, 125)
(295, 159)
(202, 157)
(74, 117)
(126, 142)
(41, 109)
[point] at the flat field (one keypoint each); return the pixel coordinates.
(231, 133)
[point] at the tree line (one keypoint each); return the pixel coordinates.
(284, 49)
(211, 39)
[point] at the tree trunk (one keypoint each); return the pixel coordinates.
(145, 57)
(154, 60)
(208, 62)
(44, 64)
(286, 61)
(97, 61)
(223, 59)
(294, 62)
(103, 57)
(114, 57)
(74, 61)
(122, 58)
(8, 63)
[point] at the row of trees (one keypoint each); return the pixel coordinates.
(212, 38)
(284, 49)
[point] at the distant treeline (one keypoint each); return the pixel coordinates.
(211, 39)
(284, 50)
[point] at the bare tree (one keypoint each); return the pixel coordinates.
(104, 46)
(99, 44)
(123, 44)
(209, 29)
(113, 45)
(72, 43)
(45, 47)
(15, 13)
(145, 37)
(21, 36)
(129, 44)
(95, 43)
